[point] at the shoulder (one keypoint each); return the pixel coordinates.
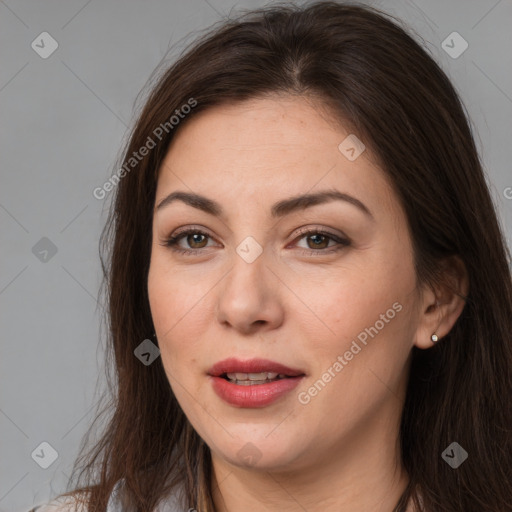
(173, 503)
(62, 504)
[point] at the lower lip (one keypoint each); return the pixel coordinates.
(257, 395)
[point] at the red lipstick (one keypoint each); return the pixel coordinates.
(254, 382)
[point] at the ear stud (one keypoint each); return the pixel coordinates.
(434, 338)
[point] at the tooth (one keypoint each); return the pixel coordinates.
(257, 376)
(247, 379)
(251, 382)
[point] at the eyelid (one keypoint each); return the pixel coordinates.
(321, 230)
(340, 241)
(192, 227)
(172, 240)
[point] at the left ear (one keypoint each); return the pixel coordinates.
(442, 305)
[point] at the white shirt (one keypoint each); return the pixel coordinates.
(66, 504)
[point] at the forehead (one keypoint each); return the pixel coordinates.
(266, 148)
(263, 127)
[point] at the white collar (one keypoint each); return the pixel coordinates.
(174, 503)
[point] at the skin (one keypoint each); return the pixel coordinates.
(339, 451)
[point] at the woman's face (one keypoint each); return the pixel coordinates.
(325, 288)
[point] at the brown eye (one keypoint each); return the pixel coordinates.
(195, 238)
(319, 241)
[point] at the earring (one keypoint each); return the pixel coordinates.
(434, 338)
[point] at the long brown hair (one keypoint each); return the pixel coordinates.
(376, 79)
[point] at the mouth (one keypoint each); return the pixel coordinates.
(252, 371)
(253, 383)
(251, 379)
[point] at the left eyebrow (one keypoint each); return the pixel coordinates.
(279, 209)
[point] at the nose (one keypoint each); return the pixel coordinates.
(249, 299)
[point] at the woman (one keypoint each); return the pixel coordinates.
(303, 228)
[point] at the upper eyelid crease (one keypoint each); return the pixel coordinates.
(340, 241)
(279, 209)
(181, 233)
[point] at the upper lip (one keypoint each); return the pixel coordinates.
(233, 365)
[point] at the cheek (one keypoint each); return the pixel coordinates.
(173, 296)
(357, 294)
(177, 301)
(364, 353)
(168, 305)
(370, 303)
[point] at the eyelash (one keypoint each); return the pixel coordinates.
(172, 242)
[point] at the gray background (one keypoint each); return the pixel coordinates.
(63, 119)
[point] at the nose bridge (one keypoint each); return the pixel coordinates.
(249, 294)
(248, 278)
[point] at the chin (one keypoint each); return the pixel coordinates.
(258, 452)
